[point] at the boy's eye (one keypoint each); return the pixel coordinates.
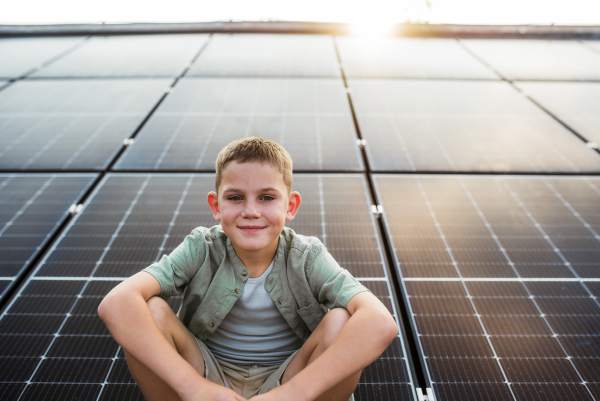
(268, 198)
(234, 198)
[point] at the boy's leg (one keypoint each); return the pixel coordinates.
(323, 336)
(153, 387)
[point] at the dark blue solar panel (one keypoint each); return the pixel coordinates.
(33, 206)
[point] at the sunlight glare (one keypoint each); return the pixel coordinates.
(372, 28)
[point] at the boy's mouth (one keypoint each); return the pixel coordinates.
(251, 229)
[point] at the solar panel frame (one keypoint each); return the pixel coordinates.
(27, 54)
(447, 308)
(44, 203)
(151, 56)
(310, 117)
(70, 312)
(268, 55)
(462, 126)
(535, 59)
(71, 124)
(409, 58)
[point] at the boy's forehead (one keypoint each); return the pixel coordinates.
(253, 175)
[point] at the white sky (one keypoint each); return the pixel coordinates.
(578, 12)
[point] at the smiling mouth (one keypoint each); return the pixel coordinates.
(251, 228)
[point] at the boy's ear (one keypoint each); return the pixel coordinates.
(293, 206)
(213, 202)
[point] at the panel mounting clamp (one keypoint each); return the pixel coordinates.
(128, 141)
(428, 396)
(377, 210)
(591, 145)
(361, 142)
(169, 89)
(74, 209)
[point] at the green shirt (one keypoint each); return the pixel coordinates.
(206, 269)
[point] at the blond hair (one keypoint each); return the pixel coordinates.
(255, 149)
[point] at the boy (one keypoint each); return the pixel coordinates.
(251, 324)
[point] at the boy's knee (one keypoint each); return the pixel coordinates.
(333, 323)
(160, 310)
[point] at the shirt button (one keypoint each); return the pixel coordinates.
(237, 290)
(244, 273)
(211, 324)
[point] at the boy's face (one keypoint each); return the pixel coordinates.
(253, 205)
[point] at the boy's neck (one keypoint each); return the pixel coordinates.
(257, 262)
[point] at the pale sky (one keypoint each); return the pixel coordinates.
(560, 12)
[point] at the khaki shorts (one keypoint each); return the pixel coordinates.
(246, 380)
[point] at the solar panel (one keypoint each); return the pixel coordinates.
(538, 59)
(502, 291)
(268, 56)
(409, 58)
(33, 207)
(575, 103)
(52, 336)
(71, 124)
(462, 126)
(21, 55)
(128, 56)
(310, 117)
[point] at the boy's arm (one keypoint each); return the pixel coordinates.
(126, 314)
(364, 337)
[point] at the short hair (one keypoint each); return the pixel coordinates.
(255, 149)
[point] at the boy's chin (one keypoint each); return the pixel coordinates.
(253, 245)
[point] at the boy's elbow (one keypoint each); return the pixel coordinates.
(391, 330)
(106, 307)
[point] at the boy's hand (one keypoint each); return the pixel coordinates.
(213, 392)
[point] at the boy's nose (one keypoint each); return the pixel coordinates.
(251, 210)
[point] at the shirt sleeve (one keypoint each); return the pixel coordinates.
(175, 271)
(332, 285)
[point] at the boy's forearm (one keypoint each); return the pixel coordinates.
(131, 324)
(364, 337)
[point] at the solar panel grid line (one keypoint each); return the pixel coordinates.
(503, 250)
(27, 203)
(455, 264)
(507, 279)
(213, 129)
(51, 142)
(396, 131)
(547, 238)
(184, 194)
(570, 207)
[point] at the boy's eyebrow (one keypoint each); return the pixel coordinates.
(260, 190)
